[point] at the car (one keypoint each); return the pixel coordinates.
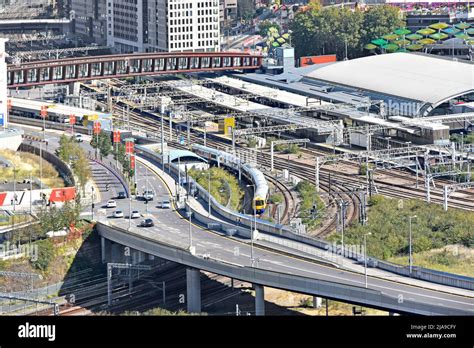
(147, 223)
(135, 214)
(118, 214)
(165, 203)
(121, 195)
(111, 204)
(78, 138)
(148, 195)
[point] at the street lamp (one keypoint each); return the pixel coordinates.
(410, 256)
(129, 209)
(365, 256)
(191, 248)
(92, 205)
(209, 192)
(146, 195)
(255, 223)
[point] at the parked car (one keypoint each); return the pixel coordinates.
(147, 223)
(111, 204)
(135, 214)
(121, 195)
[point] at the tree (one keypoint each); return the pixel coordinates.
(67, 148)
(82, 169)
(45, 255)
(379, 21)
(124, 160)
(330, 30)
(265, 26)
(103, 142)
(245, 9)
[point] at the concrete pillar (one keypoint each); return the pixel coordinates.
(259, 300)
(317, 302)
(141, 256)
(102, 250)
(73, 88)
(117, 253)
(134, 257)
(193, 290)
(3, 85)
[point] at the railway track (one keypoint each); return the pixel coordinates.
(409, 190)
(338, 191)
(338, 185)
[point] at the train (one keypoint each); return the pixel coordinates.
(260, 197)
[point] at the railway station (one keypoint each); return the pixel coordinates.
(302, 154)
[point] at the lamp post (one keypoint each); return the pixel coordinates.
(14, 187)
(191, 248)
(129, 209)
(209, 193)
(92, 199)
(365, 256)
(31, 194)
(255, 223)
(410, 256)
(146, 183)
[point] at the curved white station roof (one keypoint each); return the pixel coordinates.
(412, 76)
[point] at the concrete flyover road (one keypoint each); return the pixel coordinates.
(231, 256)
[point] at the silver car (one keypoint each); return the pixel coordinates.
(165, 204)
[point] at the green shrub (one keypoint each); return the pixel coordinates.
(389, 224)
(276, 198)
(45, 255)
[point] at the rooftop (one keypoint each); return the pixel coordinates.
(174, 154)
(422, 78)
(54, 108)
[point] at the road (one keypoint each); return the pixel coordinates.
(171, 228)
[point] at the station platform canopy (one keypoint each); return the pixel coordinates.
(184, 156)
(425, 79)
